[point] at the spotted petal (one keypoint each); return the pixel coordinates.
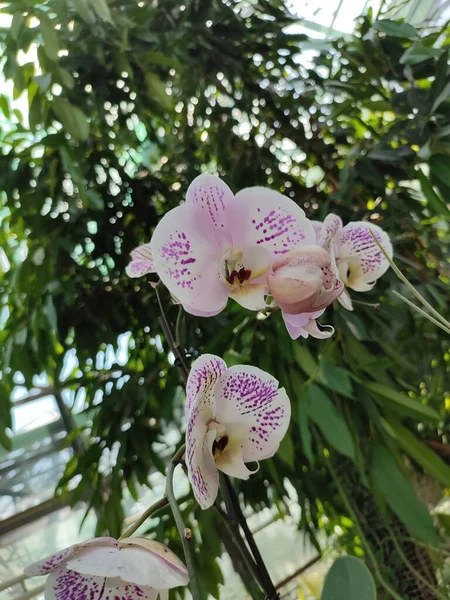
(202, 471)
(327, 231)
(359, 259)
(247, 397)
(187, 257)
(48, 564)
(203, 376)
(63, 584)
(141, 261)
(262, 217)
(212, 195)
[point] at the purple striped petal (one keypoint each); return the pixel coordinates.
(203, 376)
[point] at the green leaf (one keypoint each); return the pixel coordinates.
(49, 36)
(349, 579)
(17, 23)
(4, 106)
(5, 440)
(72, 118)
(396, 155)
(158, 58)
(417, 53)
(286, 451)
(434, 201)
(304, 359)
(102, 9)
(427, 458)
(401, 497)
(156, 90)
(440, 168)
(401, 403)
(85, 11)
(50, 312)
(303, 422)
(396, 29)
(333, 426)
(442, 97)
(335, 378)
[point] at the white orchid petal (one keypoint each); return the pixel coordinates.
(296, 325)
(212, 195)
(202, 471)
(231, 461)
(48, 564)
(187, 258)
(262, 217)
(249, 397)
(359, 253)
(345, 300)
(203, 376)
(251, 296)
(320, 334)
(131, 563)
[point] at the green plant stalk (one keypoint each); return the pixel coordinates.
(175, 349)
(366, 544)
(419, 296)
(182, 531)
(266, 580)
(161, 503)
(421, 312)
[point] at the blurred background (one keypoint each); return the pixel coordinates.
(108, 109)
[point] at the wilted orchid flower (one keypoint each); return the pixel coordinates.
(141, 262)
(359, 262)
(303, 282)
(130, 569)
(235, 416)
(217, 245)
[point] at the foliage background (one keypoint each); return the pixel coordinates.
(127, 103)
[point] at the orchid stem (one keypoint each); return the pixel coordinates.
(175, 349)
(161, 503)
(410, 286)
(184, 533)
(266, 580)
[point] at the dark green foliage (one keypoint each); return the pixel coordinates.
(129, 103)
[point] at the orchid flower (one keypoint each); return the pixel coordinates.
(303, 283)
(358, 261)
(218, 245)
(130, 569)
(141, 262)
(235, 416)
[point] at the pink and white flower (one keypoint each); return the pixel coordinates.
(130, 569)
(219, 245)
(235, 416)
(141, 262)
(358, 261)
(303, 282)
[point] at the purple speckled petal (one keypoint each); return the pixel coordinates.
(141, 261)
(48, 564)
(202, 471)
(359, 259)
(212, 195)
(63, 584)
(327, 231)
(187, 258)
(261, 217)
(249, 397)
(203, 376)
